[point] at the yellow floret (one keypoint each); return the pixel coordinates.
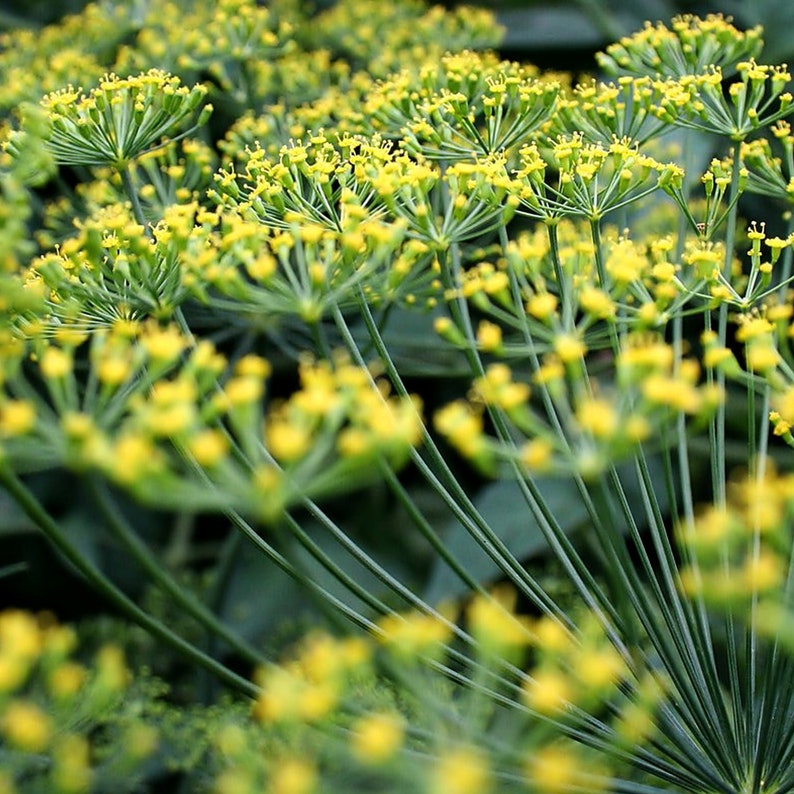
(377, 737)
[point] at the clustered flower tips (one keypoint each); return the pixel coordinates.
(755, 101)
(604, 112)
(690, 45)
(768, 174)
(158, 422)
(119, 120)
(730, 566)
(54, 708)
(377, 35)
(592, 179)
(175, 337)
(233, 43)
(329, 686)
(592, 431)
(469, 105)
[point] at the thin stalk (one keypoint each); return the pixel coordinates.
(117, 523)
(694, 645)
(717, 459)
(344, 578)
(559, 543)
(449, 489)
(787, 259)
(324, 597)
(33, 509)
(598, 248)
(426, 529)
(532, 495)
(127, 179)
(559, 273)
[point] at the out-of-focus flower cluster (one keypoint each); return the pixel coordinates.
(370, 730)
(172, 420)
(63, 723)
(194, 316)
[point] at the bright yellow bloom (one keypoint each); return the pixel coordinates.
(287, 441)
(17, 417)
(569, 348)
(599, 417)
(460, 771)
(377, 737)
(548, 691)
(495, 625)
(536, 454)
(208, 447)
(55, 363)
(25, 726)
(293, 776)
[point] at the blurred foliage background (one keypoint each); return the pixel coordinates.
(560, 36)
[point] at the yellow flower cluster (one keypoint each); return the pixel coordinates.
(176, 337)
(233, 42)
(768, 174)
(311, 686)
(740, 550)
(602, 112)
(757, 99)
(358, 184)
(157, 422)
(467, 105)
(337, 689)
(50, 705)
(114, 268)
(380, 37)
(119, 120)
(688, 46)
(584, 430)
(592, 179)
(36, 62)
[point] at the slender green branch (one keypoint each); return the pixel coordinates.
(118, 524)
(33, 509)
(132, 193)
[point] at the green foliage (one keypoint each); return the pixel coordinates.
(398, 395)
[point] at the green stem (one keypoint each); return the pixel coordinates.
(33, 509)
(132, 193)
(603, 19)
(717, 458)
(563, 292)
(148, 562)
(595, 232)
(447, 485)
(427, 530)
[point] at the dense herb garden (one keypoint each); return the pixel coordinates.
(417, 420)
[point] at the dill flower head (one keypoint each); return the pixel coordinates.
(120, 119)
(376, 36)
(689, 45)
(606, 111)
(592, 178)
(467, 105)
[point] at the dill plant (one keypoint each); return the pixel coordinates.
(505, 208)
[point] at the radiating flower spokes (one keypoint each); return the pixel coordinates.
(591, 179)
(161, 421)
(768, 174)
(119, 120)
(468, 106)
(688, 46)
(604, 112)
(581, 430)
(756, 100)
